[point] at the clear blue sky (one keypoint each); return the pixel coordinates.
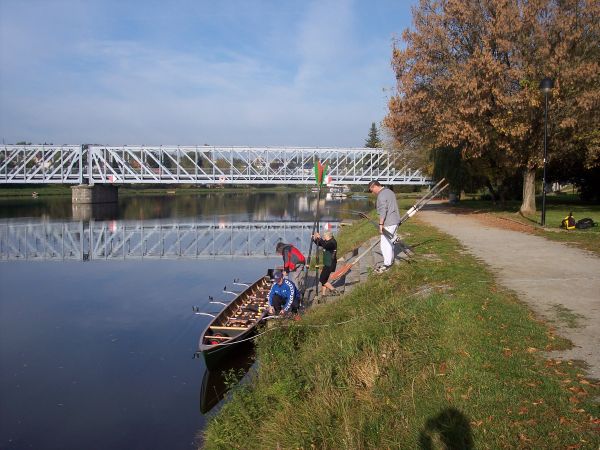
(217, 72)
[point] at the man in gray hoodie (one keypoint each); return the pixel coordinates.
(389, 218)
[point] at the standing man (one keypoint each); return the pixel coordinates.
(293, 263)
(389, 218)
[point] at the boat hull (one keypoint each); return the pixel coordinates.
(236, 323)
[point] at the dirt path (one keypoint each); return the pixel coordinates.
(560, 283)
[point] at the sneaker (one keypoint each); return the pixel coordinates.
(382, 268)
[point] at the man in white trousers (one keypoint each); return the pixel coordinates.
(389, 218)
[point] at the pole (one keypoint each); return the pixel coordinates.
(543, 221)
(315, 223)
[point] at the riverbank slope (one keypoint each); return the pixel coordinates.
(434, 350)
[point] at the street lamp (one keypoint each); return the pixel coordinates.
(546, 86)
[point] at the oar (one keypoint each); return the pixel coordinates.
(320, 173)
(385, 232)
(346, 267)
(225, 291)
(237, 282)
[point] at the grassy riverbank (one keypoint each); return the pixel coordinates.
(429, 353)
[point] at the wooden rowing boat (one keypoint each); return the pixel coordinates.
(236, 322)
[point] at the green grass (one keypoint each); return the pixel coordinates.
(430, 353)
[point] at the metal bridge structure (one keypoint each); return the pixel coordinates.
(209, 165)
(114, 240)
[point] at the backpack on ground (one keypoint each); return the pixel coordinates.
(568, 223)
(585, 223)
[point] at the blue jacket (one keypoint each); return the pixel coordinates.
(286, 290)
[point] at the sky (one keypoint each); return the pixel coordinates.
(219, 72)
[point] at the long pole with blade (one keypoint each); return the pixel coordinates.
(320, 173)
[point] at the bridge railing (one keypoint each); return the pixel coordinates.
(96, 164)
(41, 164)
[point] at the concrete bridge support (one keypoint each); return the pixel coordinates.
(97, 193)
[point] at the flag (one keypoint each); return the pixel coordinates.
(320, 172)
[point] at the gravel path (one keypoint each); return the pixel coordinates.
(561, 284)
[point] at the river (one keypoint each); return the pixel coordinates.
(97, 331)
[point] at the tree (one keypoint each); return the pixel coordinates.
(468, 77)
(373, 141)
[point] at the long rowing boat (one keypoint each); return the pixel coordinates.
(236, 322)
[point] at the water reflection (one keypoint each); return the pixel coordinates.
(158, 239)
(217, 381)
(99, 355)
(240, 206)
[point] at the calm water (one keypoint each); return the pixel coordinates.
(97, 354)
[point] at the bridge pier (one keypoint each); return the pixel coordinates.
(97, 193)
(97, 211)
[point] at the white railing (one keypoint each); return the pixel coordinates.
(94, 164)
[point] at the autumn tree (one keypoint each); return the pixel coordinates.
(468, 78)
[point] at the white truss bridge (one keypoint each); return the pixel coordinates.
(157, 239)
(97, 164)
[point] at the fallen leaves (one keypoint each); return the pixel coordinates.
(467, 395)
(464, 353)
(524, 438)
(442, 369)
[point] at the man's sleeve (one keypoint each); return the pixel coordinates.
(290, 299)
(382, 205)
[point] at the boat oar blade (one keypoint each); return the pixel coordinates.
(340, 272)
(205, 314)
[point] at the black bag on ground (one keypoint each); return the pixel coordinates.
(585, 223)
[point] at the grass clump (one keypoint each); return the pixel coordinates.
(427, 355)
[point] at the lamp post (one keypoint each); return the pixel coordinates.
(546, 86)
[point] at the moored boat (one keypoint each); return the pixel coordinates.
(236, 322)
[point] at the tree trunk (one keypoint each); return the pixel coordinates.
(493, 192)
(528, 205)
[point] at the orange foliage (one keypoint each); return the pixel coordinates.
(468, 76)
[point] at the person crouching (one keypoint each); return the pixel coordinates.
(284, 297)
